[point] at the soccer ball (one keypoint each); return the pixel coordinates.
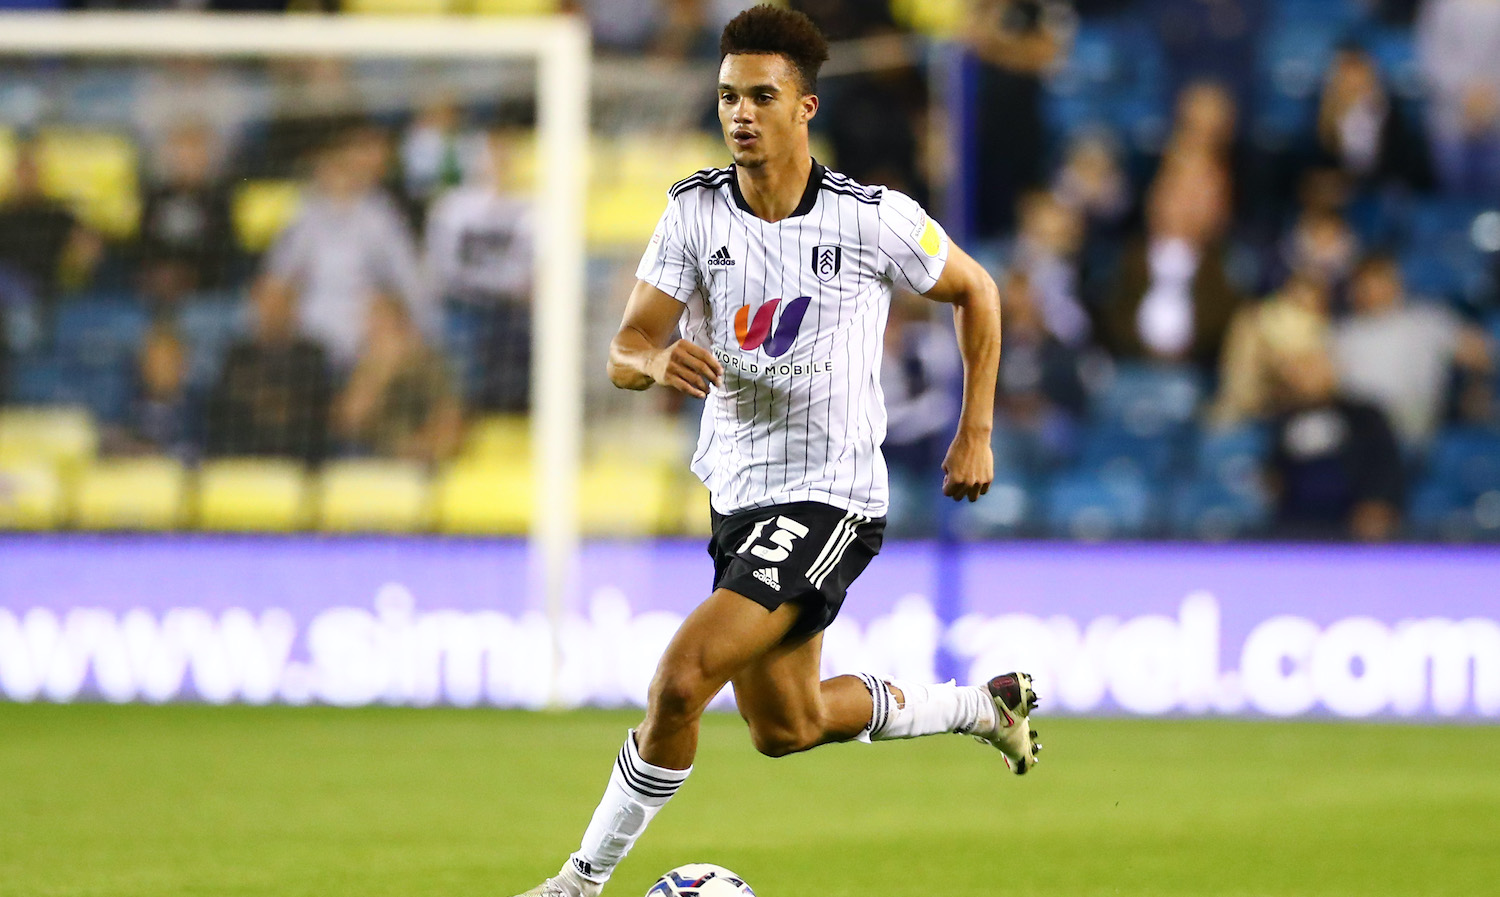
(700, 880)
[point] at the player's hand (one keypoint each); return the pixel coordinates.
(969, 467)
(687, 367)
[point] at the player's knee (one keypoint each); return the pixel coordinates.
(783, 740)
(677, 694)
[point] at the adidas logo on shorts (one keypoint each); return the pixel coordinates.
(769, 576)
(721, 259)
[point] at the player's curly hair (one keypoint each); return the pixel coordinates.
(783, 32)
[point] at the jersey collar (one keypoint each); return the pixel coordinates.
(809, 195)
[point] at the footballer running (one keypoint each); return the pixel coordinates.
(778, 273)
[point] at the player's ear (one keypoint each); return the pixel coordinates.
(809, 107)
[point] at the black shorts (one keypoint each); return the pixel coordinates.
(805, 552)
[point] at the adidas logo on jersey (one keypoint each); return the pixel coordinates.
(769, 576)
(721, 259)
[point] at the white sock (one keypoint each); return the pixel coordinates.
(636, 792)
(926, 710)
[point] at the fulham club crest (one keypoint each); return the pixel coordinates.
(826, 261)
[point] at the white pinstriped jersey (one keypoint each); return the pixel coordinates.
(795, 311)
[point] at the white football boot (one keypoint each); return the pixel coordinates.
(1013, 736)
(567, 883)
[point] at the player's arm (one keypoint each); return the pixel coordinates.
(643, 352)
(969, 467)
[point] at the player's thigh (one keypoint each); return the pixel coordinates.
(718, 640)
(782, 687)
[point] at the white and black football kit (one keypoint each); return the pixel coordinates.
(795, 311)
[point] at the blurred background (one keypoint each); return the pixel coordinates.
(1249, 253)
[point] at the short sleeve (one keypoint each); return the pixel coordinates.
(667, 264)
(291, 254)
(913, 246)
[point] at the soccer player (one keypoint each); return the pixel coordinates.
(779, 273)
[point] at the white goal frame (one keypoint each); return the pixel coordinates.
(560, 46)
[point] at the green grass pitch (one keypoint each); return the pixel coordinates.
(190, 800)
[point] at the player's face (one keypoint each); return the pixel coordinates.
(762, 108)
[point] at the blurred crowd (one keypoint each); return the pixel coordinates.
(1282, 267)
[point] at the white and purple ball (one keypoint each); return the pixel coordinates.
(700, 880)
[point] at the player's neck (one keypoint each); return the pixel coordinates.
(774, 191)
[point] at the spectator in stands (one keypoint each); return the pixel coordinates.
(877, 117)
(921, 375)
(274, 391)
(1321, 245)
(1402, 357)
(1172, 298)
(400, 401)
(164, 418)
(1458, 43)
(1207, 122)
(1264, 338)
(1018, 41)
(1091, 182)
(43, 245)
(436, 150)
(1040, 387)
(1209, 41)
(1047, 251)
(1335, 469)
(348, 243)
(1362, 131)
(186, 237)
(480, 253)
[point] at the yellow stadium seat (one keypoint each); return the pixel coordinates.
(95, 173)
(60, 436)
(499, 438)
(31, 496)
(399, 7)
(476, 497)
(624, 498)
(694, 509)
(375, 496)
(253, 495)
(631, 175)
(132, 494)
(940, 18)
(262, 210)
(516, 7)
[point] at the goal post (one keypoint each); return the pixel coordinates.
(560, 48)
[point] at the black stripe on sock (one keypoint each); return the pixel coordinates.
(632, 756)
(641, 787)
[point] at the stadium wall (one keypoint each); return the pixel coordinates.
(1119, 629)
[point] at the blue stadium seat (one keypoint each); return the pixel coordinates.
(1092, 507)
(209, 324)
(1395, 52)
(1432, 275)
(99, 329)
(1295, 55)
(1010, 508)
(1150, 398)
(1467, 461)
(1209, 509)
(51, 379)
(1093, 61)
(1233, 457)
(1443, 222)
(1112, 450)
(1336, 13)
(1436, 509)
